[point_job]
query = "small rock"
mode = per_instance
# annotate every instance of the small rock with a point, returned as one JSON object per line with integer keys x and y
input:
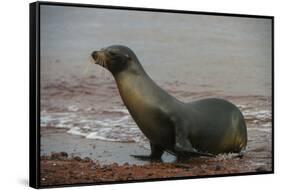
{"x": 261, "y": 169}
{"x": 59, "y": 156}
{"x": 64, "y": 154}
{"x": 150, "y": 174}
{"x": 77, "y": 158}
{"x": 218, "y": 167}
{"x": 87, "y": 159}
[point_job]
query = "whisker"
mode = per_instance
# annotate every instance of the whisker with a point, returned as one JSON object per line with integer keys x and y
{"x": 91, "y": 60}
{"x": 99, "y": 60}
{"x": 104, "y": 64}
{"x": 103, "y": 74}
{"x": 86, "y": 69}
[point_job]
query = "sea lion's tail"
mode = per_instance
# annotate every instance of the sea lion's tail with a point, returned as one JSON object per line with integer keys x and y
{"x": 241, "y": 135}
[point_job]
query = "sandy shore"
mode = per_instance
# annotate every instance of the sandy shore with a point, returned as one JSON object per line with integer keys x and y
{"x": 58, "y": 169}
{"x": 69, "y": 159}
{"x": 54, "y": 140}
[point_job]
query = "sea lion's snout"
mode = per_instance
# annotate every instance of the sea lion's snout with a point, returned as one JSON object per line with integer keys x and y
{"x": 99, "y": 58}
{"x": 94, "y": 55}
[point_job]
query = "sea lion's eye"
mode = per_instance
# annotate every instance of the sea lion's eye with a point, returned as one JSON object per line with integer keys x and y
{"x": 127, "y": 56}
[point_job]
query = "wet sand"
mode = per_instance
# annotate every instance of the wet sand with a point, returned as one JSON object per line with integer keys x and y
{"x": 75, "y": 159}
{"x": 57, "y": 140}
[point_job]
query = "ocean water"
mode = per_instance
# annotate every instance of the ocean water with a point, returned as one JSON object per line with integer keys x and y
{"x": 190, "y": 56}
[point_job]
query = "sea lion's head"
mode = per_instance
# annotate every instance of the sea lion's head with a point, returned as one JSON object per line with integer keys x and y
{"x": 115, "y": 58}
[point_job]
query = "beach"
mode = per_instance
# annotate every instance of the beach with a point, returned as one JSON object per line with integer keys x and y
{"x": 68, "y": 159}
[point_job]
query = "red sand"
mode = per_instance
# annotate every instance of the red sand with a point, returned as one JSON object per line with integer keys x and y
{"x": 59, "y": 169}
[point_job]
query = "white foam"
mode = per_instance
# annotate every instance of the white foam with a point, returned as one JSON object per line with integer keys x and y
{"x": 102, "y": 123}
{"x": 105, "y": 130}
{"x": 116, "y": 110}
{"x": 225, "y": 156}
{"x": 73, "y": 108}
{"x": 76, "y": 131}
{"x": 63, "y": 125}
{"x": 122, "y": 119}
{"x": 89, "y": 109}
{"x": 120, "y": 129}
{"x": 43, "y": 111}
{"x": 111, "y": 122}
{"x": 86, "y": 127}
{"x": 269, "y": 124}
{"x": 241, "y": 106}
{"x": 125, "y": 111}
{"x": 56, "y": 120}
{"x": 95, "y": 136}
{"x": 257, "y": 116}
{"x": 263, "y": 114}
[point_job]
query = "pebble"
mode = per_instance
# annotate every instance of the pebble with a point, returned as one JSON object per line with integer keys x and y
{"x": 149, "y": 174}
{"x": 218, "y": 167}
{"x": 87, "y": 159}
{"x": 59, "y": 156}
{"x": 261, "y": 169}
{"x": 77, "y": 158}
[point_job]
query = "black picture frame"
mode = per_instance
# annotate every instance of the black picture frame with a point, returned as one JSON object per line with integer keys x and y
{"x": 34, "y": 82}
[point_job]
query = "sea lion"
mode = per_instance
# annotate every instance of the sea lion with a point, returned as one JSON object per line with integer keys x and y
{"x": 204, "y": 127}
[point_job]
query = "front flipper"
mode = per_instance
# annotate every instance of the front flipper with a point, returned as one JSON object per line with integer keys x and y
{"x": 156, "y": 154}
{"x": 183, "y": 147}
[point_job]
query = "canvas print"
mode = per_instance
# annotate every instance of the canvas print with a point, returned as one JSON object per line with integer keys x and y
{"x": 133, "y": 94}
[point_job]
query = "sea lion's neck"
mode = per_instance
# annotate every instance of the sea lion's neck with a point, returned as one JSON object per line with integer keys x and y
{"x": 137, "y": 89}
{"x": 134, "y": 68}
{"x": 134, "y": 85}
{"x": 133, "y": 72}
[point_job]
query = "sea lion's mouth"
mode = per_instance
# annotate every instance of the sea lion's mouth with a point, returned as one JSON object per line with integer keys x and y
{"x": 99, "y": 58}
